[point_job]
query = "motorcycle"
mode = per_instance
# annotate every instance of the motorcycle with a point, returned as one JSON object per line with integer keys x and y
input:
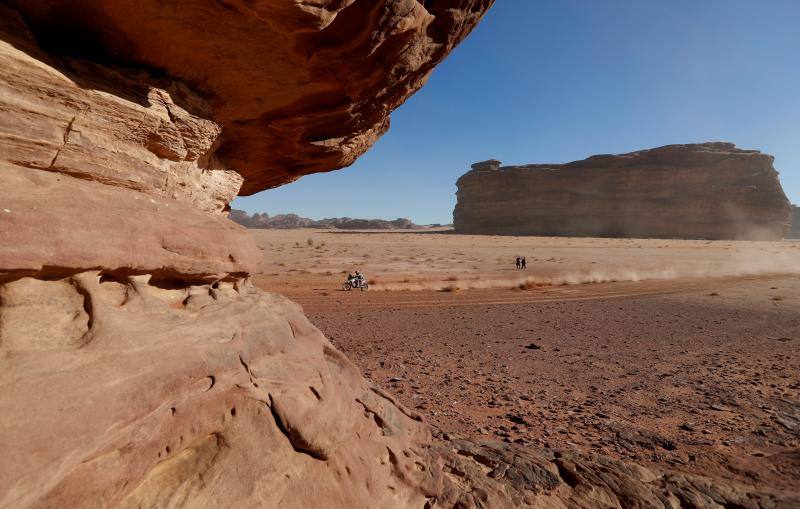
{"x": 353, "y": 284}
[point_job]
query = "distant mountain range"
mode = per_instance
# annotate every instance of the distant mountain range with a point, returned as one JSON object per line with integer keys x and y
{"x": 289, "y": 221}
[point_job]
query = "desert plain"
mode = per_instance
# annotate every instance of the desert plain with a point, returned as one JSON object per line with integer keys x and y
{"x": 678, "y": 353}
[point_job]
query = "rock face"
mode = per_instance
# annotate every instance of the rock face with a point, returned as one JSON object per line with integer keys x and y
{"x": 288, "y": 221}
{"x": 132, "y": 393}
{"x": 100, "y": 169}
{"x": 52, "y": 224}
{"x": 300, "y": 86}
{"x": 707, "y": 191}
{"x": 506, "y": 475}
{"x": 794, "y": 231}
{"x": 138, "y": 366}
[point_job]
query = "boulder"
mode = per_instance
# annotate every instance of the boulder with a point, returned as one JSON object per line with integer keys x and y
{"x": 707, "y": 191}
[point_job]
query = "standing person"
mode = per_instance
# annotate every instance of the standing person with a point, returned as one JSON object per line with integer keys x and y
{"x": 523, "y": 263}
{"x": 519, "y": 263}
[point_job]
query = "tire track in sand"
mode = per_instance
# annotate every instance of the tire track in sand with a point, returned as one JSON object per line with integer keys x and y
{"x": 485, "y": 297}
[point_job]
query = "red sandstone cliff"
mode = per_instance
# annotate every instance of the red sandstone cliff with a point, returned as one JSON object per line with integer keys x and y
{"x": 708, "y": 191}
{"x": 300, "y": 87}
{"x": 138, "y": 366}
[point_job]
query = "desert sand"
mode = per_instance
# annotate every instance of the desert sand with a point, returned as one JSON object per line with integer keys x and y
{"x": 308, "y": 261}
{"x": 678, "y": 354}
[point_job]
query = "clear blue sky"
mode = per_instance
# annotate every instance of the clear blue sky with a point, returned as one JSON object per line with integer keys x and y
{"x": 559, "y": 80}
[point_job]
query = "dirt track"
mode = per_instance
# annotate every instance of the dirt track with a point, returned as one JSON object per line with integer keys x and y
{"x": 326, "y": 299}
{"x": 697, "y": 373}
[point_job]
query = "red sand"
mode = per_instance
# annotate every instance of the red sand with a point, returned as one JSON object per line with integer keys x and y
{"x": 700, "y": 374}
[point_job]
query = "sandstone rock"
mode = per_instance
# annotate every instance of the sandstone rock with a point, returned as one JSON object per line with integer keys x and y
{"x": 102, "y": 170}
{"x": 711, "y": 190}
{"x": 138, "y": 367}
{"x": 506, "y": 475}
{"x": 299, "y": 87}
{"x": 133, "y": 394}
{"x": 94, "y": 123}
{"x": 54, "y": 225}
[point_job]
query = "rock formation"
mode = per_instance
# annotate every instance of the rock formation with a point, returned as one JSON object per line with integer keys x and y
{"x": 138, "y": 366}
{"x": 300, "y": 86}
{"x": 794, "y": 231}
{"x": 288, "y": 221}
{"x": 706, "y": 191}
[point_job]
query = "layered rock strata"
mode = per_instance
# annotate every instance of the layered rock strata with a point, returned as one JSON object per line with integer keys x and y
{"x": 301, "y": 87}
{"x": 100, "y": 169}
{"x": 706, "y": 191}
{"x": 138, "y": 366}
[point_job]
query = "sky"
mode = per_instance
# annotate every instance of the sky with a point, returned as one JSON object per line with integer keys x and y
{"x": 551, "y": 81}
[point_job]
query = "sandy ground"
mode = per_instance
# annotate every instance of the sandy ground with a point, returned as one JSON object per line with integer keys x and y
{"x": 678, "y": 353}
{"x": 433, "y": 259}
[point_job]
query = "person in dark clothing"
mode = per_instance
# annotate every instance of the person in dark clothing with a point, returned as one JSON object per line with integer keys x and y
{"x": 519, "y": 263}
{"x": 523, "y": 263}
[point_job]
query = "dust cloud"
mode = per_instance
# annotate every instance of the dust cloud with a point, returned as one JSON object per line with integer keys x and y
{"x": 742, "y": 263}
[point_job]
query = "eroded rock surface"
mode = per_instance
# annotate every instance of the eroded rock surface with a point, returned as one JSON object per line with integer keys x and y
{"x": 100, "y": 169}
{"x": 133, "y": 393}
{"x": 299, "y": 87}
{"x": 708, "y": 191}
{"x": 53, "y": 225}
{"x": 115, "y": 127}
{"x": 506, "y": 475}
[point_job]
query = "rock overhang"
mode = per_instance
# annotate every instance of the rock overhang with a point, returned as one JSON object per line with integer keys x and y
{"x": 298, "y": 87}
{"x": 137, "y": 122}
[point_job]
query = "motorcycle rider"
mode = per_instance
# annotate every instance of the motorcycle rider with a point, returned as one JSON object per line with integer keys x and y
{"x": 359, "y": 278}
